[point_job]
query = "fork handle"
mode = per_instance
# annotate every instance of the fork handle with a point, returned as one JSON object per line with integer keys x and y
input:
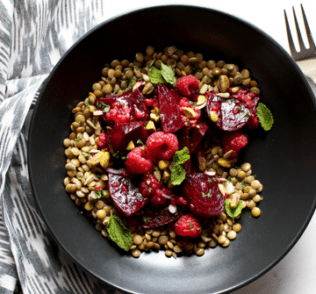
{"x": 308, "y": 67}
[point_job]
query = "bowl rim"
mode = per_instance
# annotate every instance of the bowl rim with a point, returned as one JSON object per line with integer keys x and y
{"x": 134, "y": 11}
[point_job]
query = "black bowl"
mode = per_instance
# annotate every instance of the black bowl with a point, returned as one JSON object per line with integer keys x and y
{"x": 283, "y": 159}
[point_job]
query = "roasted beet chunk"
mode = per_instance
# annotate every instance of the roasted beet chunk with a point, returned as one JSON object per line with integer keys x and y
{"x": 126, "y": 198}
{"x": 122, "y": 134}
{"x": 234, "y": 141}
{"x": 170, "y": 114}
{"x": 156, "y": 217}
{"x": 191, "y": 137}
{"x": 203, "y": 196}
{"x": 233, "y": 113}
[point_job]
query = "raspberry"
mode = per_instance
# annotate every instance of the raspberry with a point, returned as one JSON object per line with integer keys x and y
{"x": 234, "y": 141}
{"x": 161, "y": 197}
{"x": 245, "y": 96}
{"x": 253, "y": 122}
{"x": 119, "y": 113}
{"x": 149, "y": 185}
{"x": 137, "y": 163}
{"x": 187, "y": 85}
{"x": 102, "y": 143}
{"x": 187, "y": 226}
{"x": 162, "y": 145}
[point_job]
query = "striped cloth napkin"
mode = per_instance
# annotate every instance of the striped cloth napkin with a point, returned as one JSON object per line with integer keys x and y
{"x": 34, "y": 34}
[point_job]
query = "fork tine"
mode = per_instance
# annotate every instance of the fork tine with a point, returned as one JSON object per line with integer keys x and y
{"x": 289, "y": 36}
{"x": 308, "y": 31}
{"x": 299, "y": 36}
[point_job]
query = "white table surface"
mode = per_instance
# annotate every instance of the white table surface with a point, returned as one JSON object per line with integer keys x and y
{"x": 296, "y": 272}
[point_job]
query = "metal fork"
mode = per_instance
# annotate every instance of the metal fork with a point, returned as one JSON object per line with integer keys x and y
{"x": 304, "y": 53}
{"x": 305, "y": 58}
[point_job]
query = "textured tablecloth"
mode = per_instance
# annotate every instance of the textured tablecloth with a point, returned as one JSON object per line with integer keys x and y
{"x": 34, "y": 34}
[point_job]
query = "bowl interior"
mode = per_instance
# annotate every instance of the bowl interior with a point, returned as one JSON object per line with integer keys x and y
{"x": 283, "y": 159}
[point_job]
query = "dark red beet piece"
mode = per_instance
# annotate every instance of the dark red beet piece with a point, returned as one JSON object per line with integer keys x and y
{"x": 203, "y": 196}
{"x": 170, "y": 114}
{"x": 233, "y": 113}
{"x": 159, "y": 216}
{"x": 191, "y": 137}
{"x": 122, "y": 134}
{"x": 126, "y": 198}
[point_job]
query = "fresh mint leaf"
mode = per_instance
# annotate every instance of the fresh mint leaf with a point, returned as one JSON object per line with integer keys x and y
{"x": 139, "y": 141}
{"x": 118, "y": 233}
{"x": 181, "y": 156}
{"x": 233, "y": 212}
{"x": 155, "y": 76}
{"x": 177, "y": 175}
{"x": 168, "y": 74}
{"x": 265, "y": 117}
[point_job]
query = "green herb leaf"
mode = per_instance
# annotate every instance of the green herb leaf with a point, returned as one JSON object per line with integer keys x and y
{"x": 78, "y": 139}
{"x": 177, "y": 175}
{"x": 207, "y": 195}
{"x": 155, "y": 76}
{"x": 229, "y": 178}
{"x": 118, "y": 233}
{"x": 238, "y": 107}
{"x": 245, "y": 114}
{"x": 148, "y": 183}
{"x": 106, "y": 108}
{"x": 156, "y": 167}
{"x": 139, "y": 141}
{"x": 168, "y": 74}
{"x": 86, "y": 103}
{"x": 233, "y": 212}
{"x": 142, "y": 147}
{"x": 149, "y": 189}
{"x": 131, "y": 81}
{"x": 86, "y": 154}
{"x": 136, "y": 67}
{"x": 191, "y": 225}
{"x": 98, "y": 193}
{"x": 265, "y": 117}
{"x": 181, "y": 156}
{"x": 244, "y": 185}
